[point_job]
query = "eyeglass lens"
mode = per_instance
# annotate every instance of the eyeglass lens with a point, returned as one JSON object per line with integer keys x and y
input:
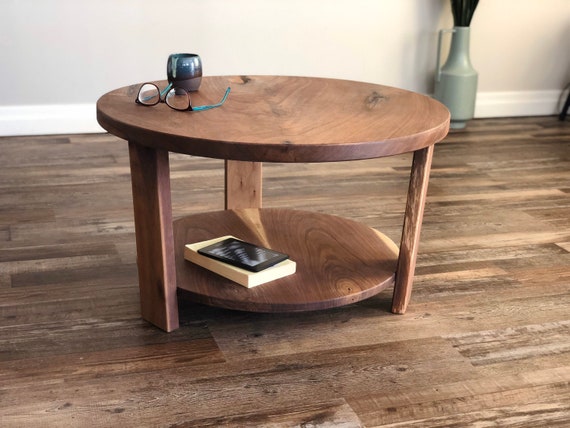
{"x": 178, "y": 99}
{"x": 149, "y": 95}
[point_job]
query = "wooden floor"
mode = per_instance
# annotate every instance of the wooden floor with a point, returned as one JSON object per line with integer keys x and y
{"x": 485, "y": 342}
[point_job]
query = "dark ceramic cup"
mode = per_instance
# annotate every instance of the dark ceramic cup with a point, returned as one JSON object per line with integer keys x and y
{"x": 184, "y": 70}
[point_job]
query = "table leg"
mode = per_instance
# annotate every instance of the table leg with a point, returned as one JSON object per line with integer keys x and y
{"x": 243, "y": 184}
{"x": 417, "y": 192}
{"x": 150, "y": 176}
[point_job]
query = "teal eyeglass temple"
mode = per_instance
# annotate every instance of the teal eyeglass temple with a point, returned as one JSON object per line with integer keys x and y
{"x": 165, "y": 90}
{"x": 153, "y": 99}
{"x": 202, "y": 108}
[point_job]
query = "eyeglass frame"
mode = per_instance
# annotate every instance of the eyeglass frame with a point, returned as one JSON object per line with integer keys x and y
{"x": 162, "y": 95}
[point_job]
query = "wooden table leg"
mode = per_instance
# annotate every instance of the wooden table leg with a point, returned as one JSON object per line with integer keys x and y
{"x": 243, "y": 184}
{"x": 413, "y": 217}
{"x": 150, "y": 175}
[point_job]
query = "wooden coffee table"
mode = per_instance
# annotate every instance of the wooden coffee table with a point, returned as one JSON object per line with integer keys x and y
{"x": 273, "y": 119}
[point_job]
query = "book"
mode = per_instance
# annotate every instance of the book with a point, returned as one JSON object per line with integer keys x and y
{"x": 240, "y": 276}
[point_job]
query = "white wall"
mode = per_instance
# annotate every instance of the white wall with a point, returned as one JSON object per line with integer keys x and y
{"x": 59, "y": 56}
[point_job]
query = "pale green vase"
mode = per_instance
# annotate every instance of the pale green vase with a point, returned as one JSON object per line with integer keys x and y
{"x": 456, "y": 81}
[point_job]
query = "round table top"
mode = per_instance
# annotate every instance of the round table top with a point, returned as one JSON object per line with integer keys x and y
{"x": 281, "y": 119}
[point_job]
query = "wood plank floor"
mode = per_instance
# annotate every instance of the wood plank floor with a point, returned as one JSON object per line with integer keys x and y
{"x": 485, "y": 342}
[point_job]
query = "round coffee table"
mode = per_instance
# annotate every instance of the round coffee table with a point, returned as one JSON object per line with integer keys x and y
{"x": 273, "y": 119}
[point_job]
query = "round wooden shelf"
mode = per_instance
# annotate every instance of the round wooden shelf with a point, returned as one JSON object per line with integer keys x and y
{"x": 339, "y": 261}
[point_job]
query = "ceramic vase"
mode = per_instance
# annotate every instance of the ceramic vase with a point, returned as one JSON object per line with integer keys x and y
{"x": 184, "y": 70}
{"x": 456, "y": 80}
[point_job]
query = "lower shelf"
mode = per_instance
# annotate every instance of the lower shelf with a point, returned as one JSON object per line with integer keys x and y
{"x": 339, "y": 261}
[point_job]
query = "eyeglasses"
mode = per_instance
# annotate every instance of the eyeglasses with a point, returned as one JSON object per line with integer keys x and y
{"x": 176, "y": 98}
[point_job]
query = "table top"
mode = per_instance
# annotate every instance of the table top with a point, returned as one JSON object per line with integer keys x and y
{"x": 281, "y": 119}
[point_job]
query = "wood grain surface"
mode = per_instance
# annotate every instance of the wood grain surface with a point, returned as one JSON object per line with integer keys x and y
{"x": 411, "y": 231}
{"x": 150, "y": 178}
{"x": 484, "y": 341}
{"x": 282, "y": 119}
{"x": 243, "y": 184}
{"x": 339, "y": 261}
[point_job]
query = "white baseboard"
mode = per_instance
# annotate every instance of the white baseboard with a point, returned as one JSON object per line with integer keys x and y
{"x": 80, "y": 118}
{"x": 48, "y": 119}
{"x": 521, "y": 103}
